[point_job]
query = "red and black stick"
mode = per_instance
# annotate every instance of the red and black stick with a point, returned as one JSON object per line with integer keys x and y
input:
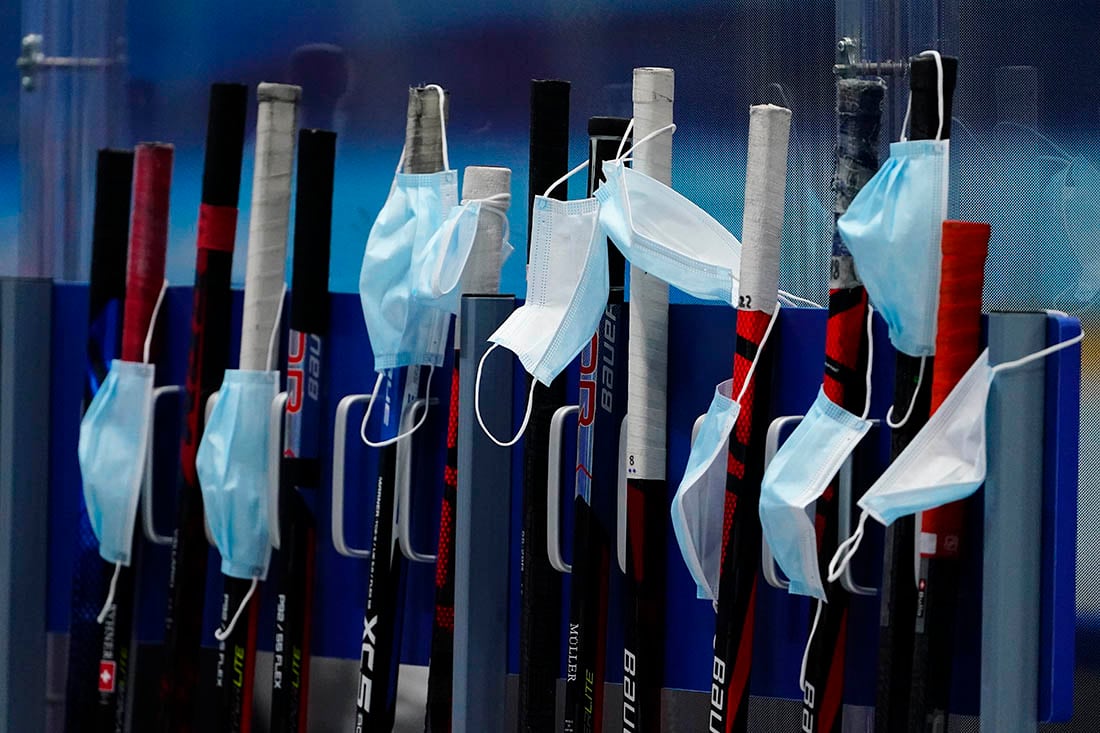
{"x": 859, "y": 116}
{"x": 144, "y": 280}
{"x": 769, "y": 130}
{"x": 210, "y": 323}
{"x": 958, "y": 344}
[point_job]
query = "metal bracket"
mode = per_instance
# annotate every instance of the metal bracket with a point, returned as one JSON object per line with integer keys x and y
{"x": 849, "y": 65}
{"x": 403, "y": 480}
{"x": 33, "y": 60}
{"x": 339, "y": 448}
{"x": 147, "y": 525}
{"x": 553, "y": 489}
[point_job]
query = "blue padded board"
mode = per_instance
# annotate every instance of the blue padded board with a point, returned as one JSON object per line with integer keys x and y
{"x": 695, "y": 366}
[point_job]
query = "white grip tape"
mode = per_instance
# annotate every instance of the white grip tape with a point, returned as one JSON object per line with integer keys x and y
{"x": 269, "y": 222}
{"x": 647, "y": 387}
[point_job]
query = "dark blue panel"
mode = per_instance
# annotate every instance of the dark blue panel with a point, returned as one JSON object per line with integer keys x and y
{"x": 695, "y": 366}
{"x": 1059, "y": 574}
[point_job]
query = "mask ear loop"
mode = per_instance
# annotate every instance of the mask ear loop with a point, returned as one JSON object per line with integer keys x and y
{"x": 477, "y": 405}
{"x": 912, "y": 402}
{"x": 626, "y": 136}
{"x": 623, "y": 157}
{"x": 442, "y": 124}
{"x": 153, "y": 324}
{"x": 759, "y": 351}
{"x": 497, "y": 204}
{"x": 847, "y": 549}
{"x": 565, "y": 178}
{"x": 112, "y": 589}
{"x": 110, "y": 596}
{"x": 399, "y": 436}
{"x": 809, "y": 641}
{"x": 273, "y": 340}
{"x": 870, "y": 362}
{"x": 1040, "y": 354}
{"x": 223, "y": 634}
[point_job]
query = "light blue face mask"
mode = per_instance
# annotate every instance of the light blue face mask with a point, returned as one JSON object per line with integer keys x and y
{"x": 114, "y": 439}
{"x": 233, "y": 466}
{"x": 699, "y": 503}
{"x": 112, "y": 449}
{"x": 441, "y": 266}
{"x": 698, "y": 507}
{"x": 567, "y": 289}
{"x": 946, "y": 460}
{"x": 665, "y": 234}
{"x": 893, "y": 228}
{"x": 407, "y": 325}
{"x": 800, "y": 473}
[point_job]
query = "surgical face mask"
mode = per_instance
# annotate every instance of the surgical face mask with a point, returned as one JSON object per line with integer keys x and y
{"x": 442, "y": 265}
{"x": 407, "y": 325}
{"x": 234, "y": 471}
{"x": 567, "y": 289}
{"x": 114, "y": 439}
{"x": 945, "y": 462}
{"x": 699, "y": 504}
{"x": 893, "y": 228}
{"x": 800, "y": 473}
{"x": 665, "y": 234}
{"x": 112, "y": 448}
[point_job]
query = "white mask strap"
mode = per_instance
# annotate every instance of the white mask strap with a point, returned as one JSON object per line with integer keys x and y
{"x": 626, "y": 136}
{"x": 809, "y": 641}
{"x": 477, "y": 405}
{"x": 153, "y": 325}
{"x": 565, "y": 178}
{"x": 273, "y": 340}
{"x": 912, "y": 402}
{"x": 442, "y": 131}
{"x": 759, "y": 351}
{"x": 374, "y": 398}
{"x": 110, "y": 596}
{"x": 870, "y": 362}
{"x": 223, "y": 634}
{"x": 939, "y": 90}
{"x": 442, "y": 123}
{"x": 496, "y": 204}
{"x": 793, "y": 300}
{"x": 846, "y": 550}
{"x": 670, "y": 128}
{"x": 1041, "y": 354}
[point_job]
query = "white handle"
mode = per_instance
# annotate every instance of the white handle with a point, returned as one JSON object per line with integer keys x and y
{"x": 620, "y": 519}
{"x": 771, "y": 447}
{"x": 339, "y": 450}
{"x": 148, "y": 527}
{"x": 274, "y": 465}
{"x": 553, "y": 488}
{"x": 403, "y": 479}
{"x": 210, "y": 402}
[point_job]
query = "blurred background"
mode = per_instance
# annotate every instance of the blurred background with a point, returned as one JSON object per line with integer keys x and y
{"x": 1025, "y": 148}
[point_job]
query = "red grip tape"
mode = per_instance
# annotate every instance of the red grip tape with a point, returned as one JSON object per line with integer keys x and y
{"x": 965, "y": 245}
{"x": 217, "y": 227}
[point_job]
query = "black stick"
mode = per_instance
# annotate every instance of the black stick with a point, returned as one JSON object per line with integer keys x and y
{"x": 540, "y": 586}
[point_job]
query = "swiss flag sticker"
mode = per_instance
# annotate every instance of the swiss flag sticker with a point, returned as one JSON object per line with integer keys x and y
{"x": 106, "y": 676}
